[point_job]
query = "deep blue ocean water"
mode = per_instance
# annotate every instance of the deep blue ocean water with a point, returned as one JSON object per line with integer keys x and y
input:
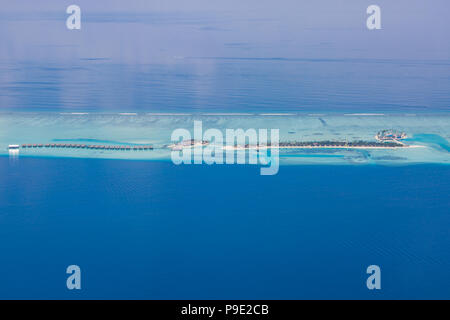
{"x": 154, "y": 230}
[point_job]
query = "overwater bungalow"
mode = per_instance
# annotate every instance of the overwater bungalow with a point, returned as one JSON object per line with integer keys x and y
{"x": 390, "y": 135}
{"x": 341, "y": 144}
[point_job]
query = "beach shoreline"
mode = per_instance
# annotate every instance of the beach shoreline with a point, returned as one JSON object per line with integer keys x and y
{"x": 320, "y": 147}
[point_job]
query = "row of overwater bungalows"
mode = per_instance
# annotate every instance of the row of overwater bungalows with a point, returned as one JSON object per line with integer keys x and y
{"x": 87, "y": 146}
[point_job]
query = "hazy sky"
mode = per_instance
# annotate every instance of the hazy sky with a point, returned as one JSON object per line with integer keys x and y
{"x": 135, "y": 31}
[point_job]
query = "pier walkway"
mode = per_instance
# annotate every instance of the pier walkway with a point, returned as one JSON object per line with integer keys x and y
{"x": 88, "y": 146}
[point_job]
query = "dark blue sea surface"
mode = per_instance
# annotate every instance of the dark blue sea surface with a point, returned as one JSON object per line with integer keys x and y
{"x": 153, "y": 230}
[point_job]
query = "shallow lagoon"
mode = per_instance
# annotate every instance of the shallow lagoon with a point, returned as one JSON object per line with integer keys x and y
{"x": 431, "y": 131}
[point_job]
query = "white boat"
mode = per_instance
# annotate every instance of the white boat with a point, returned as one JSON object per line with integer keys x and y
{"x": 13, "y": 147}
